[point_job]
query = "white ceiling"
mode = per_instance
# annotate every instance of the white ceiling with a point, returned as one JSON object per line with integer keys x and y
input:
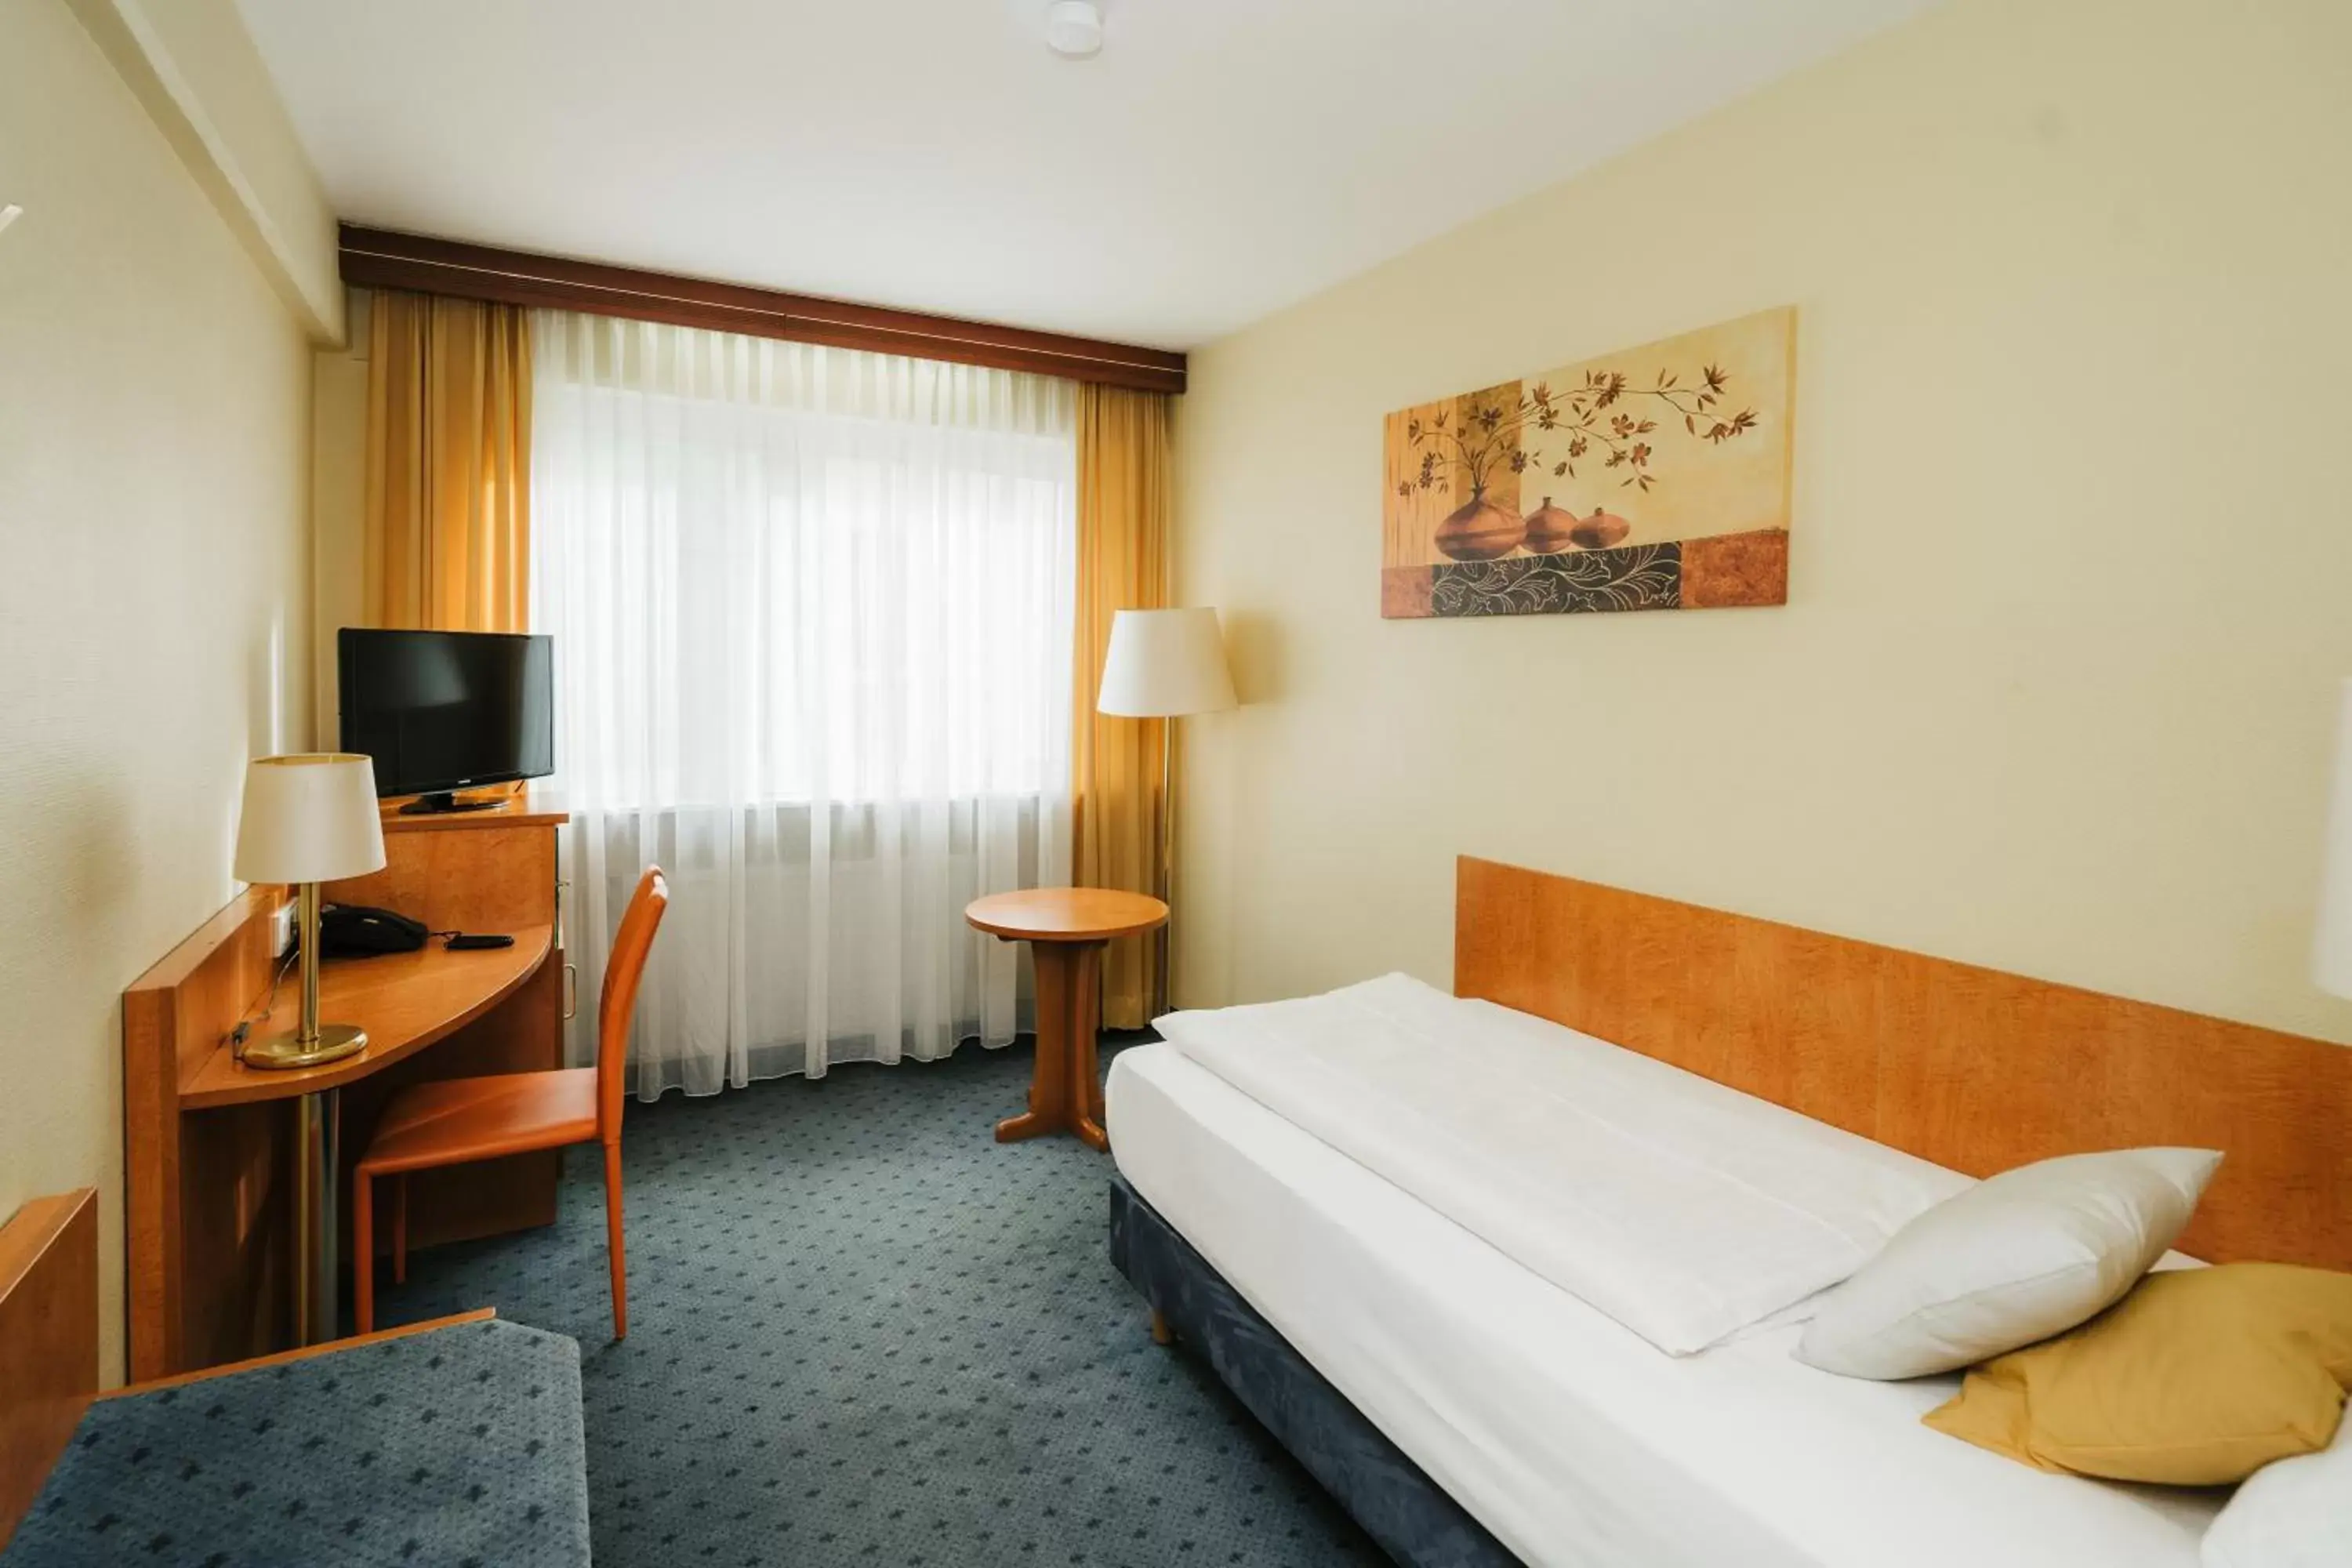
{"x": 1218, "y": 160}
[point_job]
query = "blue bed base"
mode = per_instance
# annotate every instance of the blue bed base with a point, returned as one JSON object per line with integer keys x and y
{"x": 1412, "y": 1516}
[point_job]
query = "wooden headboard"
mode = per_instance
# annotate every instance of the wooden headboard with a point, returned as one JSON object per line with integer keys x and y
{"x": 1971, "y": 1067}
{"x": 49, "y": 1341}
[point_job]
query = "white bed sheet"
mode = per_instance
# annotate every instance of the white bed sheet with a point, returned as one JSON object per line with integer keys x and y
{"x": 1680, "y": 1207}
{"x": 1576, "y": 1442}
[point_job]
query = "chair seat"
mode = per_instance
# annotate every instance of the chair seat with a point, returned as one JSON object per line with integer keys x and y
{"x": 451, "y": 1121}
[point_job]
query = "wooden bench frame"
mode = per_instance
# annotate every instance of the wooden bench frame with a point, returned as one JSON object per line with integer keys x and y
{"x": 48, "y": 1342}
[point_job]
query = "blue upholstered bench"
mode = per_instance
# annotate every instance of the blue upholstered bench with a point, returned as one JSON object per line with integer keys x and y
{"x": 458, "y": 1445}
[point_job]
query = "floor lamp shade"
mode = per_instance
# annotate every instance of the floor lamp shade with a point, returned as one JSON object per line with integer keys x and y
{"x": 2331, "y": 954}
{"x": 1163, "y": 663}
{"x": 308, "y": 817}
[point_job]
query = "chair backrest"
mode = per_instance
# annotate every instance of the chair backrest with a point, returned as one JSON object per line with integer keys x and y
{"x": 623, "y": 970}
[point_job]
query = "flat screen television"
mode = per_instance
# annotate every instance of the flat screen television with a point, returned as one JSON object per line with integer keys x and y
{"x": 442, "y": 711}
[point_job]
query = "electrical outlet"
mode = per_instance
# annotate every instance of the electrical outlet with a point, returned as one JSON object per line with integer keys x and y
{"x": 281, "y": 929}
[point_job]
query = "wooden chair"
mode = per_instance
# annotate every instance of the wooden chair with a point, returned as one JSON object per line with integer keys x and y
{"x": 456, "y": 1121}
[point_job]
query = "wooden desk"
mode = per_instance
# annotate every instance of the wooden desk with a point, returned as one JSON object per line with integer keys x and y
{"x": 405, "y": 1001}
{"x": 1067, "y": 929}
{"x": 210, "y": 1145}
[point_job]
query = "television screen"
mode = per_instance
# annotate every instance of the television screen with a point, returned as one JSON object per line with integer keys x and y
{"x": 448, "y": 710}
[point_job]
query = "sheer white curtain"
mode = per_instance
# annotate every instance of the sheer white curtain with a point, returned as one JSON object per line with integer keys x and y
{"x": 812, "y": 647}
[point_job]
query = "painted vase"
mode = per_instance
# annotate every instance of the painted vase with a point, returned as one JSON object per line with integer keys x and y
{"x": 1480, "y": 531}
{"x": 1549, "y": 530}
{"x": 1600, "y": 530}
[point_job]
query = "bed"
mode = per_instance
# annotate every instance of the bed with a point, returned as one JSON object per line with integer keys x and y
{"x": 1470, "y": 1411}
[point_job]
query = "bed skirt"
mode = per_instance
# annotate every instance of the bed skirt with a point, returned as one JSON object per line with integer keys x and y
{"x": 1411, "y": 1516}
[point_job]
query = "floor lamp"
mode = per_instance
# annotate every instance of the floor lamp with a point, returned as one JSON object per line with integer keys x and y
{"x": 1165, "y": 664}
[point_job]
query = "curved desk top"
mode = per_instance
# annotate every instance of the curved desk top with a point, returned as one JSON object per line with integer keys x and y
{"x": 405, "y": 1001}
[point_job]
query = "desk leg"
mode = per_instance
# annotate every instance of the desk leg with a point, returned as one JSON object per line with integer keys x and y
{"x": 317, "y": 1129}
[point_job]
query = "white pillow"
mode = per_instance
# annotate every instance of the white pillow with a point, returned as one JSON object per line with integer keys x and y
{"x": 2025, "y": 1255}
{"x": 2291, "y": 1513}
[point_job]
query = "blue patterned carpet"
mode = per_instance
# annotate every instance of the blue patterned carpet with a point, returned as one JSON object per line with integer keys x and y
{"x": 863, "y": 1333}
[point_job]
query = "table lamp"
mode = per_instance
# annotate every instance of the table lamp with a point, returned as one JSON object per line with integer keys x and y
{"x": 309, "y": 818}
{"x": 1164, "y": 664}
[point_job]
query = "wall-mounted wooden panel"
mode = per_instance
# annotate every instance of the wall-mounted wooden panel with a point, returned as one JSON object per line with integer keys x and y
{"x": 1973, "y": 1068}
{"x": 215, "y": 1192}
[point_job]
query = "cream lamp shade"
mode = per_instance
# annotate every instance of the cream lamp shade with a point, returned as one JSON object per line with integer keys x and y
{"x": 1164, "y": 663}
{"x": 308, "y": 817}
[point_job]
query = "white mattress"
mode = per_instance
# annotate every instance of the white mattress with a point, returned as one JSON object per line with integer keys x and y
{"x": 1573, "y": 1440}
{"x": 1680, "y": 1207}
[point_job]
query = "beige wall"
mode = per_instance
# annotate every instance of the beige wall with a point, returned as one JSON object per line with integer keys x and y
{"x": 154, "y": 599}
{"x": 338, "y": 502}
{"x": 2071, "y": 583}
{"x": 195, "y": 70}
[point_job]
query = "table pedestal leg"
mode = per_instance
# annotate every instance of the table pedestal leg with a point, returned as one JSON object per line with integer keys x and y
{"x": 317, "y": 1128}
{"x": 1064, "y": 1085}
{"x": 1085, "y": 1058}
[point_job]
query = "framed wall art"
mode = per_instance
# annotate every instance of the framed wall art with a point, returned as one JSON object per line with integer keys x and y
{"x": 1652, "y": 478}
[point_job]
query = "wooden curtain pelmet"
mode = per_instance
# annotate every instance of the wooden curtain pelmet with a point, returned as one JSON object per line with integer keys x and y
{"x": 376, "y": 259}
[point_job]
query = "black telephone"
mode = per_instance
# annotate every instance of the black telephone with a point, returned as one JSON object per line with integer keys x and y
{"x": 355, "y": 930}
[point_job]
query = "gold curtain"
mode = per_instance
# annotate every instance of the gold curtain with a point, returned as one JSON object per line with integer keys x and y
{"x": 1125, "y": 456}
{"x": 448, "y": 465}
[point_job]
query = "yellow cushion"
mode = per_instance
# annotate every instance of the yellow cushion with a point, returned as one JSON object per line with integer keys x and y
{"x": 2199, "y": 1377}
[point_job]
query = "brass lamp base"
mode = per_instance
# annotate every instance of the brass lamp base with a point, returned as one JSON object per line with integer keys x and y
{"x": 334, "y": 1042}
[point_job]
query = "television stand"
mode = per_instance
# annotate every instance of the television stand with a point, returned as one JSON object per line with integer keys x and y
{"x": 440, "y": 801}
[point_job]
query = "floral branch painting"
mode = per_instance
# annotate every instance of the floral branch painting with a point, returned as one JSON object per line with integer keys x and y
{"x": 1493, "y": 432}
{"x": 1679, "y": 449}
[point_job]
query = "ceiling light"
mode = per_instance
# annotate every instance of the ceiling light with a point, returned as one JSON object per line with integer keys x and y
{"x": 1073, "y": 27}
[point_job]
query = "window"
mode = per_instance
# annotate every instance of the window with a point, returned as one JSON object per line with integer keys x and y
{"x": 812, "y": 611}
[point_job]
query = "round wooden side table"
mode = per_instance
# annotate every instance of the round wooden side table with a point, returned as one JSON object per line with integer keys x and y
{"x": 1067, "y": 929}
